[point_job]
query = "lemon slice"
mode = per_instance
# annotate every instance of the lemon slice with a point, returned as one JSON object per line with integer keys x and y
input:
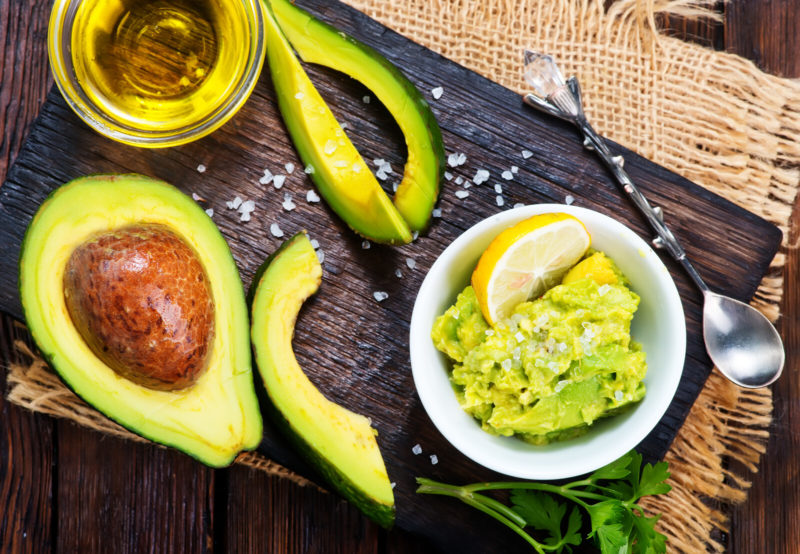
{"x": 525, "y": 260}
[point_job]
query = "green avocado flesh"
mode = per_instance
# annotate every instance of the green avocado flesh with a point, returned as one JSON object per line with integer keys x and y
{"x": 556, "y": 365}
{"x": 340, "y": 443}
{"x": 212, "y": 419}
{"x": 339, "y": 171}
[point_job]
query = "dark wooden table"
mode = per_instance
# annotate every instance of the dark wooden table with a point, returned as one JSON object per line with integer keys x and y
{"x": 67, "y": 489}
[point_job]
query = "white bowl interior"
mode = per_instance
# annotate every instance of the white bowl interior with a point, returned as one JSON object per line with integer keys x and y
{"x": 658, "y": 324}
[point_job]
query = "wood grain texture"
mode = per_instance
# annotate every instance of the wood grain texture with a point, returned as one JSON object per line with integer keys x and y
{"x": 766, "y": 32}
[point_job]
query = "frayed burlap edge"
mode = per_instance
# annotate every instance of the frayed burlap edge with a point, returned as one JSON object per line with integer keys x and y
{"x": 701, "y": 113}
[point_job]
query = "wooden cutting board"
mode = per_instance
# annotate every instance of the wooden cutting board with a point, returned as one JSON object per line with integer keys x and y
{"x": 354, "y": 348}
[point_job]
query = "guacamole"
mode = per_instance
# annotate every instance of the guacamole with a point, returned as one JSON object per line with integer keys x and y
{"x": 556, "y": 365}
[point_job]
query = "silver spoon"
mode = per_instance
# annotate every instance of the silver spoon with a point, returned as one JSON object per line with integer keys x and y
{"x": 740, "y": 340}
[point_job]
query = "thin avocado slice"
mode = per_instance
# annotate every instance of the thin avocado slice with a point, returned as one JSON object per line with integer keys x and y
{"x": 338, "y": 170}
{"x": 218, "y": 415}
{"x": 318, "y": 42}
{"x": 340, "y": 443}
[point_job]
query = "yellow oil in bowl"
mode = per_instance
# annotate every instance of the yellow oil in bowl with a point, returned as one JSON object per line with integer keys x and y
{"x": 156, "y": 72}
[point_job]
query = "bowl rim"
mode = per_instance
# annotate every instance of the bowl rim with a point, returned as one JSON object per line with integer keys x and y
{"x": 483, "y": 453}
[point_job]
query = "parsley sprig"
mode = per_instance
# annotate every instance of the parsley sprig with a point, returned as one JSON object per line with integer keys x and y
{"x": 609, "y": 496}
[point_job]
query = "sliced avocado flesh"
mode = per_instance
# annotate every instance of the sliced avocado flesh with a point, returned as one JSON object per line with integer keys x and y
{"x": 211, "y": 420}
{"x": 338, "y": 170}
{"x": 340, "y": 443}
{"x": 317, "y": 42}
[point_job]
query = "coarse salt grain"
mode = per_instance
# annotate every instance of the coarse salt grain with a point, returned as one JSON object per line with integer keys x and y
{"x": 210, "y": 212}
{"x": 434, "y": 459}
{"x": 309, "y": 169}
{"x": 366, "y": 244}
{"x": 489, "y": 332}
{"x": 560, "y": 386}
{"x": 519, "y": 336}
{"x": 603, "y": 289}
{"x": 314, "y": 244}
{"x": 527, "y": 154}
{"x": 461, "y": 194}
{"x": 247, "y": 206}
{"x": 448, "y": 175}
{"x": 414, "y": 235}
{"x": 288, "y": 204}
{"x": 245, "y": 217}
{"x": 569, "y": 199}
{"x": 196, "y": 197}
{"x": 340, "y": 163}
{"x": 514, "y": 169}
{"x": 499, "y": 201}
{"x": 398, "y": 273}
{"x": 381, "y": 174}
{"x": 235, "y": 203}
{"x": 507, "y": 175}
{"x": 380, "y": 295}
{"x": 278, "y": 181}
{"x": 436, "y": 212}
{"x": 201, "y": 168}
{"x": 289, "y": 168}
{"x": 519, "y": 205}
{"x": 330, "y": 147}
{"x": 452, "y": 160}
{"x": 366, "y": 99}
{"x": 506, "y": 364}
{"x": 459, "y": 180}
{"x": 498, "y": 188}
{"x": 437, "y": 92}
{"x": 393, "y": 484}
{"x": 462, "y": 159}
{"x": 276, "y": 230}
{"x": 312, "y": 196}
{"x": 411, "y": 263}
{"x": 356, "y": 167}
{"x": 299, "y": 95}
{"x": 321, "y": 256}
{"x": 481, "y": 176}
{"x": 618, "y": 396}
{"x": 416, "y": 449}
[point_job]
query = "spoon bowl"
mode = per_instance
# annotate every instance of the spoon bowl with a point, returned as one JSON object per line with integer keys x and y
{"x": 741, "y": 341}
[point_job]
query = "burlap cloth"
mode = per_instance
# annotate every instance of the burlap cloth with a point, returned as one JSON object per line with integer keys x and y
{"x": 710, "y": 116}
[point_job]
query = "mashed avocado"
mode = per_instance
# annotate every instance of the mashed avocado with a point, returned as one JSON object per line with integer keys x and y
{"x": 556, "y": 364}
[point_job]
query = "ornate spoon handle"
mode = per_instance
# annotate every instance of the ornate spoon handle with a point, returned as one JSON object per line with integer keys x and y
{"x": 563, "y": 100}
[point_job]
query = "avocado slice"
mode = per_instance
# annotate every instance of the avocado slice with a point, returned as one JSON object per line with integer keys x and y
{"x": 335, "y": 166}
{"x": 341, "y": 444}
{"x": 215, "y": 416}
{"x": 318, "y": 42}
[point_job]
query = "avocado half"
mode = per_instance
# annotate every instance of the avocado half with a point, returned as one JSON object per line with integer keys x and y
{"x": 218, "y": 415}
{"x": 340, "y": 173}
{"x": 341, "y": 444}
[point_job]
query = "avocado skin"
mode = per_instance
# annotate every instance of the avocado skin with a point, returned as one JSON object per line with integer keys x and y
{"x": 198, "y": 447}
{"x": 382, "y": 514}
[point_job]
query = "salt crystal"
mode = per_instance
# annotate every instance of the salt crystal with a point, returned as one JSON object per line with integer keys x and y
{"x": 314, "y": 244}
{"x": 499, "y": 201}
{"x": 381, "y": 174}
{"x": 411, "y": 263}
{"x": 560, "y": 386}
{"x": 356, "y": 167}
{"x": 489, "y": 332}
{"x": 519, "y": 205}
{"x": 461, "y": 194}
{"x": 452, "y": 160}
{"x": 344, "y": 125}
{"x": 236, "y": 203}
{"x": 393, "y": 484}
{"x": 462, "y": 159}
{"x": 379, "y": 161}
{"x": 288, "y": 204}
{"x": 603, "y": 289}
{"x": 398, "y": 273}
{"x": 210, "y": 212}
{"x": 380, "y": 295}
{"x": 366, "y": 245}
{"x": 289, "y": 168}
{"x": 309, "y": 169}
{"x": 196, "y": 197}
{"x": 340, "y": 164}
{"x": 321, "y": 256}
{"x": 459, "y": 180}
{"x": 330, "y": 147}
{"x": 436, "y": 212}
{"x": 448, "y": 175}
{"x": 276, "y": 230}
{"x": 266, "y": 179}
{"x": 387, "y": 167}
{"x": 312, "y": 196}
{"x": 366, "y": 99}
{"x": 201, "y": 168}
{"x": 247, "y": 206}
{"x": 416, "y": 449}
{"x": 437, "y": 93}
{"x": 527, "y": 154}
{"x": 519, "y": 336}
{"x": 481, "y": 176}
{"x": 569, "y": 199}
{"x": 278, "y": 181}
{"x": 299, "y": 95}
{"x": 245, "y": 217}
{"x": 514, "y": 169}
{"x": 498, "y": 188}
{"x": 414, "y": 235}
{"x": 618, "y": 396}
{"x": 394, "y": 187}
{"x": 506, "y": 364}
{"x": 562, "y": 346}
{"x": 434, "y": 459}
{"x": 507, "y": 175}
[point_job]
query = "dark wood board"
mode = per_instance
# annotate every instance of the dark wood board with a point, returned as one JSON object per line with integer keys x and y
{"x": 365, "y": 365}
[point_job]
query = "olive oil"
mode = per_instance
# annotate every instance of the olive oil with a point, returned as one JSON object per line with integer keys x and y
{"x": 159, "y": 65}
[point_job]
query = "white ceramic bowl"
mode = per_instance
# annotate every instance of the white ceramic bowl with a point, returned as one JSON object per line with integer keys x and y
{"x": 658, "y": 324}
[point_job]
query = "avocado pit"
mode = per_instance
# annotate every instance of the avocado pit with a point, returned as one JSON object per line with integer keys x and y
{"x": 141, "y": 300}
